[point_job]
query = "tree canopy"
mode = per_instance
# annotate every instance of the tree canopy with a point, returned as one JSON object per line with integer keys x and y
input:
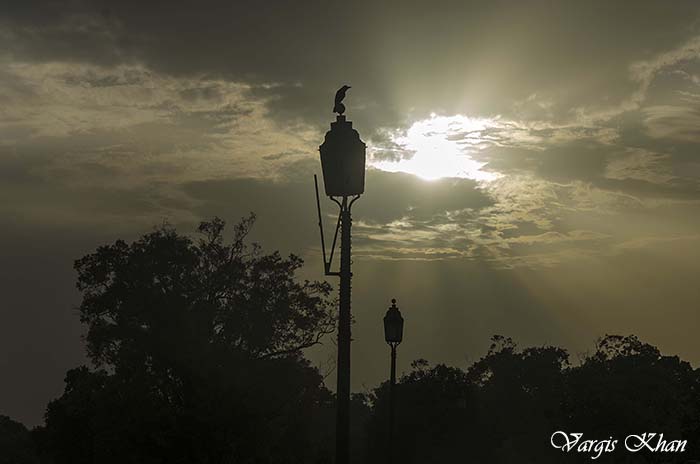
{"x": 16, "y": 445}
{"x": 197, "y": 348}
{"x": 505, "y": 407}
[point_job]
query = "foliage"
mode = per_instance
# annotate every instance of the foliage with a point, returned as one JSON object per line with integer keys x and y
{"x": 156, "y": 300}
{"x": 198, "y": 348}
{"x": 16, "y": 446}
{"x": 505, "y": 407}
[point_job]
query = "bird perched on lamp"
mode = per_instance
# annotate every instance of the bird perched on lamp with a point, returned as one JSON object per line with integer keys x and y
{"x": 339, "y": 95}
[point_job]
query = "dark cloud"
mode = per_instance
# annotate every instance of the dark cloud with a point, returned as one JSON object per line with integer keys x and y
{"x": 92, "y": 79}
{"x": 281, "y": 155}
{"x": 394, "y": 195}
{"x": 449, "y": 57}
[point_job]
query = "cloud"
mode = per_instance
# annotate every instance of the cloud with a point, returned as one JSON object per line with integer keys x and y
{"x": 646, "y": 71}
{"x": 673, "y": 122}
{"x": 157, "y": 110}
{"x": 463, "y": 57}
{"x": 640, "y": 164}
{"x": 131, "y": 109}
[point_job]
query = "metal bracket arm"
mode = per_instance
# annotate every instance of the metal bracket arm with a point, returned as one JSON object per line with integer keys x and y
{"x": 342, "y": 206}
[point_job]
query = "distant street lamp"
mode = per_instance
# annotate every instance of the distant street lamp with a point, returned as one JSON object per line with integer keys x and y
{"x": 393, "y": 334}
{"x": 343, "y": 162}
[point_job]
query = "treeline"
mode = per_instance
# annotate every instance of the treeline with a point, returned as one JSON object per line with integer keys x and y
{"x": 505, "y": 407}
{"x": 197, "y": 357}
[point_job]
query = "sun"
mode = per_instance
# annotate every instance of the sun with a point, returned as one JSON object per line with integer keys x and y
{"x": 439, "y": 147}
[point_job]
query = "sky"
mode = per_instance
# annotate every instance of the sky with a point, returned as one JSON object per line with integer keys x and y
{"x": 533, "y": 167}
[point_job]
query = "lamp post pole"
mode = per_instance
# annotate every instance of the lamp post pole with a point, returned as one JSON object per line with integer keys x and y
{"x": 344, "y": 338}
{"x": 392, "y": 388}
{"x": 393, "y": 334}
{"x": 343, "y": 162}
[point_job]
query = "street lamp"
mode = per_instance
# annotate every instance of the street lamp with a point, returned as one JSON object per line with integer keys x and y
{"x": 343, "y": 162}
{"x": 393, "y": 334}
{"x": 393, "y": 325}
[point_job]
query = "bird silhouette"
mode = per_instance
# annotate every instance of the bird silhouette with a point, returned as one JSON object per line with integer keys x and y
{"x": 339, "y": 95}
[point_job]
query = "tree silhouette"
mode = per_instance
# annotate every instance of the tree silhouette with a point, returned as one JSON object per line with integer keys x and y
{"x": 433, "y": 405}
{"x": 197, "y": 357}
{"x": 505, "y": 407}
{"x": 627, "y": 386}
{"x": 16, "y": 445}
{"x": 197, "y": 348}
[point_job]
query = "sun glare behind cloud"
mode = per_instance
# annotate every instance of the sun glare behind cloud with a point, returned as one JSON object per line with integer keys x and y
{"x": 438, "y": 147}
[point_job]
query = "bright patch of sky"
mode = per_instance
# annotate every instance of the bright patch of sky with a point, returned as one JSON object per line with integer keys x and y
{"x": 439, "y": 147}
